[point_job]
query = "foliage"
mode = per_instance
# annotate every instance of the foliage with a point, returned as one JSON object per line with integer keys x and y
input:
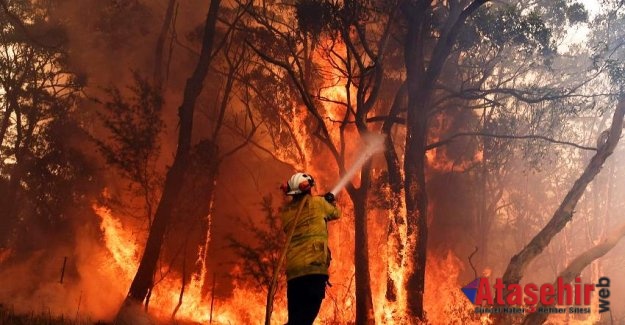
{"x": 507, "y": 26}
{"x": 577, "y": 13}
{"x": 315, "y": 16}
{"x": 616, "y": 70}
{"x": 30, "y": 22}
{"x": 258, "y": 254}
{"x": 61, "y": 175}
{"x": 495, "y": 68}
{"x": 44, "y": 174}
{"x": 134, "y": 125}
{"x": 329, "y": 17}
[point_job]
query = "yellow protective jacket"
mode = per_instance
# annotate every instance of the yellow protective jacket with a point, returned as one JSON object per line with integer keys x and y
{"x": 308, "y": 250}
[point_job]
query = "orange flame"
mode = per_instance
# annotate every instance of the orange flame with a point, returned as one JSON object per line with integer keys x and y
{"x": 244, "y": 307}
{"x": 444, "y": 301}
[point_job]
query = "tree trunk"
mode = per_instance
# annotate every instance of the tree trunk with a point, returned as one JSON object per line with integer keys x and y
{"x": 575, "y": 268}
{"x": 157, "y": 73}
{"x": 420, "y": 80}
{"x": 414, "y": 162}
{"x": 519, "y": 262}
{"x": 175, "y": 176}
{"x": 397, "y": 221}
{"x": 183, "y": 284}
{"x": 193, "y": 209}
{"x": 8, "y": 211}
{"x": 364, "y": 302}
{"x": 416, "y": 206}
{"x": 6, "y": 119}
{"x": 484, "y": 216}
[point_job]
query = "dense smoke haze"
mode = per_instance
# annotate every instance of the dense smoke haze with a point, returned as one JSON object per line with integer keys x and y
{"x": 143, "y": 145}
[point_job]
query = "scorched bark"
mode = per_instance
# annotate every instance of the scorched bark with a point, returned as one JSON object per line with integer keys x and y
{"x": 175, "y": 176}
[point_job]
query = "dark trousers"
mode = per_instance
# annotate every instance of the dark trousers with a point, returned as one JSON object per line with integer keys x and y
{"x": 304, "y": 295}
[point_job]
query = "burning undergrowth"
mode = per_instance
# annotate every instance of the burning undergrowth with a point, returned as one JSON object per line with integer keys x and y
{"x": 65, "y": 280}
{"x": 219, "y": 251}
{"x": 106, "y": 254}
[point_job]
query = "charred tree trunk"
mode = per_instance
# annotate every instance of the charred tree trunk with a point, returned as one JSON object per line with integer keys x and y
{"x": 364, "y": 301}
{"x": 395, "y": 242}
{"x": 483, "y": 214}
{"x": 9, "y": 211}
{"x": 10, "y": 205}
{"x": 192, "y": 210}
{"x": 519, "y": 262}
{"x": 414, "y": 161}
{"x": 160, "y": 45}
{"x": 182, "y": 287}
{"x": 194, "y": 207}
{"x": 416, "y": 205}
{"x": 4, "y": 126}
{"x": 142, "y": 281}
{"x": 421, "y": 75}
{"x": 575, "y": 268}
{"x": 175, "y": 176}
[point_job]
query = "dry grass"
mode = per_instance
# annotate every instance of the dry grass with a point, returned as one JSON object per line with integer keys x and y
{"x": 9, "y": 317}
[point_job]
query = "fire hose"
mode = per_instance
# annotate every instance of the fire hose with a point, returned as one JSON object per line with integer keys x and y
{"x": 272, "y": 288}
{"x": 374, "y": 144}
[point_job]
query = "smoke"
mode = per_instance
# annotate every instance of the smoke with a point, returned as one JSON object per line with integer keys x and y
{"x": 35, "y": 282}
{"x": 109, "y": 39}
{"x": 373, "y": 143}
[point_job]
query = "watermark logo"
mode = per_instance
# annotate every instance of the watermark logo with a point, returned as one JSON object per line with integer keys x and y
{"x": 470, "y": 290}
{"x": 558, "y": 297}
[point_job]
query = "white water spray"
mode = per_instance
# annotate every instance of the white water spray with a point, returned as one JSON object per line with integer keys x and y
{"x": 374, "y": 143}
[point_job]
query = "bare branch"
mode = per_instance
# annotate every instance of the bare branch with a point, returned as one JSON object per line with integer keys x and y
{"x": 561, "y": 217}
{"x": 506, "y": 136}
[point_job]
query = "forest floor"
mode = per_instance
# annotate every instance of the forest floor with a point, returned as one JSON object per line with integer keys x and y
{"x": 9, "y": 317}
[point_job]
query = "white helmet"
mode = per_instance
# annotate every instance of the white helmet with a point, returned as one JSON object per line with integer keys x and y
{"x": 299, "y": 183}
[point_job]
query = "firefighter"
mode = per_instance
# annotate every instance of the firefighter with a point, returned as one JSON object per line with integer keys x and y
{"x": 308, "y": 255}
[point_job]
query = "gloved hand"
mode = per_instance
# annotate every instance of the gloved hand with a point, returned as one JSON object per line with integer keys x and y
{"x": 330, "y": 198}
